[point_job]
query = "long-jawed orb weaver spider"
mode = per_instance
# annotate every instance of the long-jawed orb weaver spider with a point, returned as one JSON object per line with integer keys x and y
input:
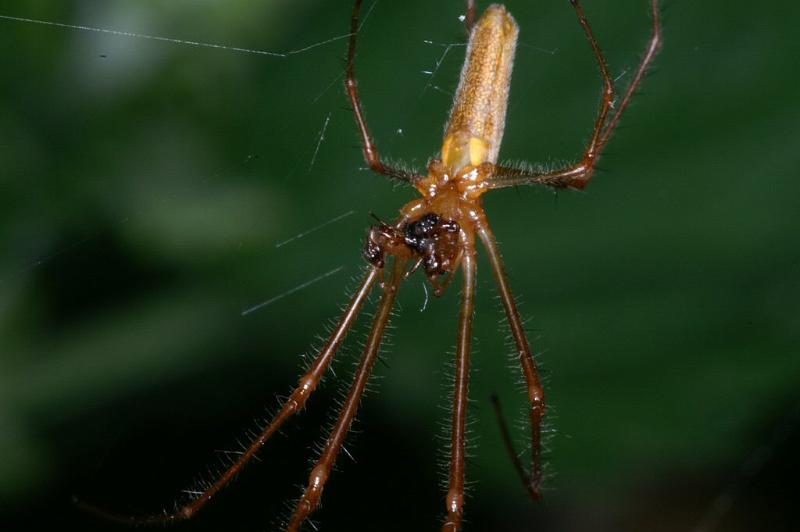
{"x": 438, "y": 233}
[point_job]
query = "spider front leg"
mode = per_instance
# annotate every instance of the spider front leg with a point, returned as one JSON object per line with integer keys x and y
{"x": 532, "y": 480}
{"x": 578, "y": 175}
{"x": 455, "y": 494}
{"x": 322, "y": 469}
{"x": 371, "y": 154}
{"x": 293, "y": 404}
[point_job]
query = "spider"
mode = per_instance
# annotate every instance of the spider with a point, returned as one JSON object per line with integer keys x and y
{"x": 438, "y": 232}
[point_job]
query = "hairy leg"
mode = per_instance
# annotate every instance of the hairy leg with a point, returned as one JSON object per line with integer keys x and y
{"x": 294, "y": 403}
{"x": 577, "y": 176}
{"x": 371, "y": 154}
{"x": 455, "y": 494}
{"x": 322, "y": 469}
{"x": 532, "y": 480}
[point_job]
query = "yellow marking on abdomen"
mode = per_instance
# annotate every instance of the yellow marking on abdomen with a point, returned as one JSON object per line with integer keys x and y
{"x": 478, "y": 116}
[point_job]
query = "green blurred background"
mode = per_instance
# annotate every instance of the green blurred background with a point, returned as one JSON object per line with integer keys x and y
{"x": 145, "y": 186}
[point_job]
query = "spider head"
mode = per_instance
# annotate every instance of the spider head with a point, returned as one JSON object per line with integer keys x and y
{"x": 431, "y": 239}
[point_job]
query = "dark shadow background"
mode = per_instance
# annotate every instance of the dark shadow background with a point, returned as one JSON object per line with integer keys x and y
{"x": 144, "y": 186}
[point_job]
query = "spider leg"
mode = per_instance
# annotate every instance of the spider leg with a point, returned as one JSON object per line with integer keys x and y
{"x": 371, "y": 154}
{"x": 533, "y": 480}
{"x": 295, "y": 402}
{"x": 322, "y": 469}
{"x": 578, "y": 175}
{"x": 454, "y": 502}
{"x": 508, "y": 442}
{"x": 469, "y": 17}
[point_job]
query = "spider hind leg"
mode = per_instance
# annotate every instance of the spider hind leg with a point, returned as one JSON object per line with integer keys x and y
{"x": 371, "y": 155}
{"x": 578, "y": 175}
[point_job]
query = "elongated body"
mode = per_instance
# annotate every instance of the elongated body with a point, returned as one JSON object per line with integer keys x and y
{"x": 438, "y": 232}
{"x": 425, "y": 233}
{"x": 477, "y": 120}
